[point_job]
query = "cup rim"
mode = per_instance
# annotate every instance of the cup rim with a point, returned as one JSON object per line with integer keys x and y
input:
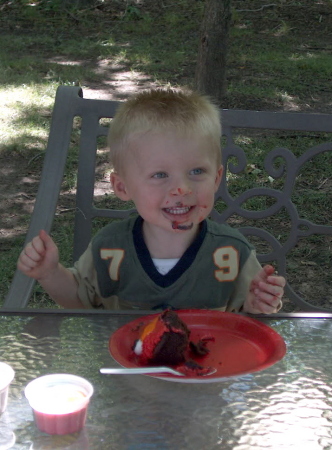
{"x": 51, "y": 380}
{"x": 9, "y": 375}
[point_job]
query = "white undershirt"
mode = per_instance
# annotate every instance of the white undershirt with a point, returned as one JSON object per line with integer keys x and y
{"x": 164, "y": 265}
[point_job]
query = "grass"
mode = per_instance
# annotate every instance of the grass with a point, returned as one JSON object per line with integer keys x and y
{"x": 279, "y": 59}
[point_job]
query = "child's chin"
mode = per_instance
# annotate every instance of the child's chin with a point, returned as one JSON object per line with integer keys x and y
{"x": 182, "y": 226}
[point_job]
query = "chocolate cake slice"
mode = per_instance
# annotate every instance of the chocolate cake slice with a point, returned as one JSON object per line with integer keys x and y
{"x": 163, "y": 341}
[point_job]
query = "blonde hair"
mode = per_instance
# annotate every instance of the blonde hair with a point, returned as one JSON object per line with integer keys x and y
{"x": 186, "y": 113}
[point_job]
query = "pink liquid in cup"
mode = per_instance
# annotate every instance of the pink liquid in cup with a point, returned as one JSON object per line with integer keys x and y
{"x": 60, "y": 423}
{"x": 59, "y": 402}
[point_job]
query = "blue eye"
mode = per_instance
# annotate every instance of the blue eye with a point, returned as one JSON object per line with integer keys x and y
{"x": 159, "y": 175}
{"x": 197, "y": 171}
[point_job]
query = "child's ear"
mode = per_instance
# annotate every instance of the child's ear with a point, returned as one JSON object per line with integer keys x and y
{"x": 119, "y": 187}
{"x": 218, "y": 177}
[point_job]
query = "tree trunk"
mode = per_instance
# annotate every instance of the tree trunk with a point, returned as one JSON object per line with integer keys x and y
{"x": 210, "y": 77}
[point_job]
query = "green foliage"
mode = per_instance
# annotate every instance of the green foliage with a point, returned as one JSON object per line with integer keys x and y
{"x": 279, "y": 58}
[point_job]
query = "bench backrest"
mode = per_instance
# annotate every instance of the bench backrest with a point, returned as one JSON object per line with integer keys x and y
{"x": 70, "y": 103}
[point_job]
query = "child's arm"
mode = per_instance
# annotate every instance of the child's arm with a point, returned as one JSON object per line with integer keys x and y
{"x": 265, "y": 292}
{"x": 40, "y": 260}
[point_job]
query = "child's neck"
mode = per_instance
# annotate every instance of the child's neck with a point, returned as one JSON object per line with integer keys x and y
{"x": 164, "y": 244}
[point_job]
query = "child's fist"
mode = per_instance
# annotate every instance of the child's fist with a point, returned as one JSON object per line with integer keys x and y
{"x": 266, "y": 291}
{"x": 39, "y": 257}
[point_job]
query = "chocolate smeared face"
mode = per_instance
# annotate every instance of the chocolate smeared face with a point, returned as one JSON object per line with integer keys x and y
{"x": 177, "y": 226}
{"x": 171, "y": 178}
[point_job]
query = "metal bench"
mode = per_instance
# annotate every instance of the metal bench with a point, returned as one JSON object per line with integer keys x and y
{"x": 70, "y": 103}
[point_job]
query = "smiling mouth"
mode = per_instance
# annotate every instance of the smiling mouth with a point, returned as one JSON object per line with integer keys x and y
{"x": 179, "y": 222}
{"x": 178, "y": 210}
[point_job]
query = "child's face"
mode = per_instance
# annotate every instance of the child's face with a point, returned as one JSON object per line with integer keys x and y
{"x": 171, "y": 180}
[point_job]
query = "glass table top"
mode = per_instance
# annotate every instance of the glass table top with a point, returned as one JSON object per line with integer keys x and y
{"x": 287, "y": 406}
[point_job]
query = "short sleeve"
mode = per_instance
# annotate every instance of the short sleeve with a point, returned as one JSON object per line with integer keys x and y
{"x": 86, "y": 278}
{"x": 88, "y": 290}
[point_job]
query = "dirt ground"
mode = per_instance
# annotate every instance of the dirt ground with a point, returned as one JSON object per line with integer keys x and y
{"x": 19, "y": 177}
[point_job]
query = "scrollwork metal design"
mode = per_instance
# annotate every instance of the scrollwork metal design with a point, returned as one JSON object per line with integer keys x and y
{"x": 289, "y": 167}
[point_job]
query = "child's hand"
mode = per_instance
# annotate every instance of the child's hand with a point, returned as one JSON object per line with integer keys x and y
{"x": 40, "y": 257}
{"x": 266, "y": 291}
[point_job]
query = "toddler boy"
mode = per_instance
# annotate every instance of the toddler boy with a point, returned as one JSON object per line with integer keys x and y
{"x": 165, "y": 148}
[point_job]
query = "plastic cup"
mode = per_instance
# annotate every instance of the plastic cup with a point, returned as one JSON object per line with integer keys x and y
{"x": 59, "y": 402}
{"x": 6, "y": 377}
{"x": 7, "y": 439}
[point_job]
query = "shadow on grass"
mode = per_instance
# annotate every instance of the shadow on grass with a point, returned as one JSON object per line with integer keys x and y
{"x": 279, "y": 59}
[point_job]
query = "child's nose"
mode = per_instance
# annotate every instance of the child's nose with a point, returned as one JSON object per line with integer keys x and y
{"x": 182, "y": 188}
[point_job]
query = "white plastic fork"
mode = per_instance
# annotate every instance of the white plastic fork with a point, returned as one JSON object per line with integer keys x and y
{"x": 147, "y": 370}
{"x": 142, "y": 370}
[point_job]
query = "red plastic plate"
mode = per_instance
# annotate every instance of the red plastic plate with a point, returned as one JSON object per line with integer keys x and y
{"x": 241, "y": 344}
